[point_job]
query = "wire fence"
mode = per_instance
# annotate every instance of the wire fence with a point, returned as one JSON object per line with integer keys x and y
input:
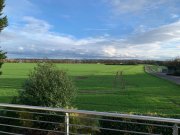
{"x": 33, "y": 120}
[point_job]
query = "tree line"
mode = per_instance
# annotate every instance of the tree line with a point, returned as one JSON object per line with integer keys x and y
{"x": 89, "y": 61}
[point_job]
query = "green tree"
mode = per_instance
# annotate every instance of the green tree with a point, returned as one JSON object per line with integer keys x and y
{"x": 2, "y": 56}
{"x": 48, "y": 86}
{"x": 3, "y": 19}
{"x": 3, "y": 24}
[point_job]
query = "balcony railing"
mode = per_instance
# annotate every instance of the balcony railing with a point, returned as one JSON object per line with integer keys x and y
{"x": 34, "y": 120}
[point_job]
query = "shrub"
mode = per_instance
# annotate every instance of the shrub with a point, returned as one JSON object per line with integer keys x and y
{"x": 2, "y": 57}
{"x": 86, "y": 120}
{"x": 47, "y": 86}
{"x": 131, "y": 125}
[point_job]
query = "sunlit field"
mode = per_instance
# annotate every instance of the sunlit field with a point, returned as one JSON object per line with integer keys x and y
{"x": 100, "y": 89}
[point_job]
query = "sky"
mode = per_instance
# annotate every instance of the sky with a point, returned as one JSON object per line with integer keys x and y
{"x": 92, "y": 29}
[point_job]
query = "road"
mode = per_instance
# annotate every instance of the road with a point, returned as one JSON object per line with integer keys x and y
{"x": 175, "y": 79}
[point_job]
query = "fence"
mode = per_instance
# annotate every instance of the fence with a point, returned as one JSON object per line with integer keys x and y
{"x": 34, "y": 120}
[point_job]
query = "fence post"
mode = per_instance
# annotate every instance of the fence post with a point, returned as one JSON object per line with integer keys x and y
{"x": 175, "y": 129}
{"x": 67, "y": 123}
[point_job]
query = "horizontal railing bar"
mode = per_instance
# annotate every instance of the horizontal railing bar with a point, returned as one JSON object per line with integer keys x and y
{"x": 120, "y": 121}
{"x": 130, "y": 116}
{"x": 83, "y": 118}
{"x": 77, "y": 134}
{"x": 32, "y": 112}
{"x": 40, "y": 121}
{"x": 110, "y": 129}
{"x": 36, "y": 129}
{"x": 82, "y": 125}
{"x": 56, "y": 122}
{"x": 9, "y": 133}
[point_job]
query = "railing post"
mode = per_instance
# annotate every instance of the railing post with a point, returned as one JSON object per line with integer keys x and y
{"x": 175, "y": 129}
{"x": 67, "y": 123}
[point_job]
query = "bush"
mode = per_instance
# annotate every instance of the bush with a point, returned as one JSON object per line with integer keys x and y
{"x": 47, "y": 86}
{"x": 86, "y": 120}
{"x": 122, "y": 124}
{"x": 2, "y": 57}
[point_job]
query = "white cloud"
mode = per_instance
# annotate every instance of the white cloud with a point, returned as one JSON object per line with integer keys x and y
{"x": 178, "y": 46}
{"x": 35, "y": 39}
{"x": 141, "y": 29}
{"x": 131, "y": 6}
{"x": 162, "y": 34}
{"x": 20, "y": 48}
{"x": 128, "y": 5}
{"x": 33, "y": 24}
{"x": 109, "y": 51}
{"x": 174, "y": 16}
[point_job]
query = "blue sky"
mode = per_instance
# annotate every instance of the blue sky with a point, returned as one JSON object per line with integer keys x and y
{"x": 115, "y": 29}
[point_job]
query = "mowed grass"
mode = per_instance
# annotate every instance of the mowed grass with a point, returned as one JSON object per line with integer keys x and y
{"x": 144, "y": 93}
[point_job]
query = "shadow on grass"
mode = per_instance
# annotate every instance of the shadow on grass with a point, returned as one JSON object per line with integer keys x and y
{"x": 6, "y": 99}
{"x": 11, "y": 83}
{"x": 140, "y": 81}
{"x": 143, "y": 91}
{"x": 105, "y": 82}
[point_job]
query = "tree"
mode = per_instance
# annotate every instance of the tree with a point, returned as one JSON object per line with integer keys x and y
{"x": 48, "y": 86}
{"x": 2, "y": 56}
{"x": 173, "y": 66}
{"x": 3, "y": 24}
{"x": 3, "y": 19}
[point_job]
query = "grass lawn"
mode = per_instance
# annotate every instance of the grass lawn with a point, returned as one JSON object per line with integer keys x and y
{"x": 144, "y": 93}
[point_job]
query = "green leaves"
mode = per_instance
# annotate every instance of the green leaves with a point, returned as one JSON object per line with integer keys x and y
{"x": 48, "y": 86}
{"x": 2, "y": 5}
{"x": 3, "y": 23}
{"x": 3, "y": 20}
{"x": 2, "y": 56}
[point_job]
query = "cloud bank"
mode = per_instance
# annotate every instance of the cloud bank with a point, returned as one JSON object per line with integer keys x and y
{"x": 135, "y": 6}
{"x": 36, "y": 40}
{"x": 30, "y": 37}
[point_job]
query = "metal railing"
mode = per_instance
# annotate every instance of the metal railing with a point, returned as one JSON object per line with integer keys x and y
{"x": 34, "y": 120}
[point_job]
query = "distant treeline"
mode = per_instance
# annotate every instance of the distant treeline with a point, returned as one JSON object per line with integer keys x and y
{"x": 173, "y": 67}
{"x": 88, "y": 61}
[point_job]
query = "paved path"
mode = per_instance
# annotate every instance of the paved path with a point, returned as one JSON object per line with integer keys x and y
{"x": 175, "y": 79}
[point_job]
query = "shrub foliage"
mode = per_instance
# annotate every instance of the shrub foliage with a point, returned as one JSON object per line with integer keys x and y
{"x": 3, "y": 24}
{"x": 48, "y": 86}
{"x": 2, "y": 57}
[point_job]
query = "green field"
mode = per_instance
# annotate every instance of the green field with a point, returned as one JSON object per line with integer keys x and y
{"x": 143, "y": 94}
